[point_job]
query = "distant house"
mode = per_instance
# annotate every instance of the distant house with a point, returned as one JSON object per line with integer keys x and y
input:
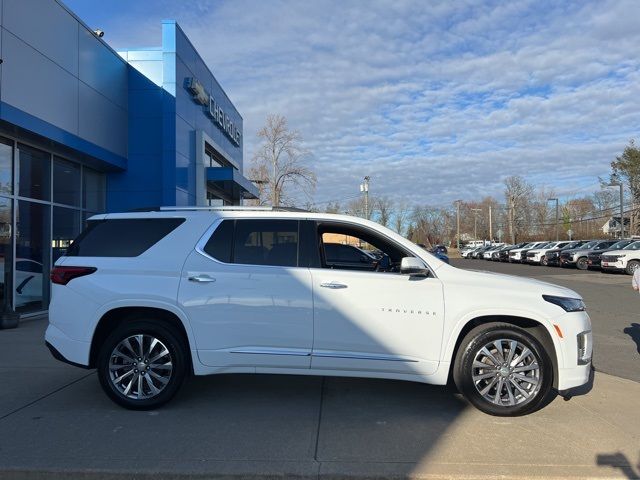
{"x": 612, "y": 226}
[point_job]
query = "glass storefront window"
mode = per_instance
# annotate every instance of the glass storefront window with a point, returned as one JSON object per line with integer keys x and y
{"x": 34, "y": 173}
{"x": 95, "y": 186}
{"x": 6, "y": 253}
{"x": 66, "y": 182}
{"x": 32, "y": 257}
{"x": 66, "y": 227}
{"x": 6, "y": 166}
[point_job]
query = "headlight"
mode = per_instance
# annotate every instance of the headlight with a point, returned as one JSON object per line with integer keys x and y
{"x": 567, "y": 304}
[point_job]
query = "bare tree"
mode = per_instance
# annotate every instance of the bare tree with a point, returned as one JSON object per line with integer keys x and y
{"x": 384, "y": 209}
{"x": 279, "y": 162}
{"x": 400, "y": 218}
{"x": 518, "y": 195}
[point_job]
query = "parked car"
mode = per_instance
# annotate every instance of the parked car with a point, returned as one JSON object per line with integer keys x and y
{"x": 553, "y": 256}
{"x": 594, "y": 258}
{"x": 338, "y": 255}
{"x": 504, "y": 254}
{"x": 525, "y": 252}
{"x": 579, "y": 257}
{"x": 626, "y": 260}
{"x": 538, "y": 256}
{"x": 147, "y": 298}
{"x": 487, "y": 253}
{"x": 495, "y": 256}
{"x": 440, "y": 249}
{"x": 515, "y": 255}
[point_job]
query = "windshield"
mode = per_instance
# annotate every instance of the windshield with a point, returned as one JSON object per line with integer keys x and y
{"x": 589, "y": 245}
{"x": 620, "y": 245}
{"x": 633, "y": 246}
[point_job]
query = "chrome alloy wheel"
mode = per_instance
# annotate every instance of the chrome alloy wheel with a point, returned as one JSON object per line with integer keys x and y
{"x": 506, "y": 373}
{"x": 140, "y": 366}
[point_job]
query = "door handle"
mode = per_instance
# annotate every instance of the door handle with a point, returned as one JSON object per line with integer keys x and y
{"x": 202, "y": 279}
{"x": 333, "y": 285}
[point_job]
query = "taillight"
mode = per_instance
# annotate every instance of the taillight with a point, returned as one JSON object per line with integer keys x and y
{"x": 63, "y": 275}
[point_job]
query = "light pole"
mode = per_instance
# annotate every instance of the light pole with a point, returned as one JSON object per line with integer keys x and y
{"x": 475, "y": 222}
{"x": 619, "y": 184}
{"x": 457, "y": 202}
{"x": 557, "y": 217}
{"x": 364, "y": 188}
{"x": 490, "y": 225}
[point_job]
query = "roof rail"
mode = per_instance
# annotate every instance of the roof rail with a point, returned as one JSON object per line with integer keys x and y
{"x": 240, "y": 208}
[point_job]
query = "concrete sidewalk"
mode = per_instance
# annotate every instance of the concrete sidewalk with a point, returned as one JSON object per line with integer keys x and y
{"x": 55, "y": 422}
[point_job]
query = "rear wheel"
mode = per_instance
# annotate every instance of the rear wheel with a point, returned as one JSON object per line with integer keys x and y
{"x": 632, "y": 266}
{"x": 503, "y": 370}
{"x": 582, "y": 263}
{"x": 142, "y": 364}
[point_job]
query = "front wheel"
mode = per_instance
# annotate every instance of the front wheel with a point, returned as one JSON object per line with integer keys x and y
{"x": 142, "y": 364}
{"x": 632, "y": 266}
{"x": 503, "y": 370}
{"x": 543, "y": 261}
{"x": 582, "y": 263}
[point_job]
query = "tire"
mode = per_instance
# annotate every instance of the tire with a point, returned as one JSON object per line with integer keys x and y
{"x": 632, "y": 266}
{"x": 582, "y": 263}
{"x": 167, "y": 377}
{"x": 512, "y": 401}
{"x": 543, "y": 261}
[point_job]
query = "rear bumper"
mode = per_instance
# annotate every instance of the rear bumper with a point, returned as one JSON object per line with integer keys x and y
{"x": 65, "y": 349}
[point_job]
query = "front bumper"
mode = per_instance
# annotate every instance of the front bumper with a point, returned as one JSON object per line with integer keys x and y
{"x": 581, "y": 388}
{"x": 575, "y": 350}
{"x": 617, "y": 265}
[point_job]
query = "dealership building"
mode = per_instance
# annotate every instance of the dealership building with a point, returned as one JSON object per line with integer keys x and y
{"x": 85, "y": 129}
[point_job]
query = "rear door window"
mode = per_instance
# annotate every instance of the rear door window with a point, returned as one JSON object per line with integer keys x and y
{"x": 121, "y": 237}
{"x": 266, "y": 242}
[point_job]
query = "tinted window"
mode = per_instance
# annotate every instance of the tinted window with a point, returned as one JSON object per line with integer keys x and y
{"x": 604, "y": 245}
{"x": 126, "y": 237}
{"x": 221, "y": 241}
{"x": 266, "y": 242}
{"x": 351, "y": 254}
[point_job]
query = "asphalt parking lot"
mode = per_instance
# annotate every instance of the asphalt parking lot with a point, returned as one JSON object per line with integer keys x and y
{"x": 55, "y": 422}
{"x": 613, "y": 305}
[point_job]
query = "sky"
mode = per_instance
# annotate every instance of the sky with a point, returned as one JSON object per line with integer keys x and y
{"x": 434, "y": 100}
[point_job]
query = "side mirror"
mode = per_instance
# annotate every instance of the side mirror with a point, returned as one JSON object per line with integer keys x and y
{"x": 413, "y": 266}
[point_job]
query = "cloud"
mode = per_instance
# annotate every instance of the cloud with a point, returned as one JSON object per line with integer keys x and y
{"x": 434, "y": 100}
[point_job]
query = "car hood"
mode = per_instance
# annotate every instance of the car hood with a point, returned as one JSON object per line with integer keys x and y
{"x": 576, "y": 250}
{"x": 619, "y": 252}
{"x": 509, "y": 282}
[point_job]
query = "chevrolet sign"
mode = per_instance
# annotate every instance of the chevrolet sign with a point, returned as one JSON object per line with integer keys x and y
{"x": 213, "y": 110}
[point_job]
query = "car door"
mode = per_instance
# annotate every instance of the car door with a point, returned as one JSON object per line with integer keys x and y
{"x": 376, "y": 322}
{"x": 248, "y": 302}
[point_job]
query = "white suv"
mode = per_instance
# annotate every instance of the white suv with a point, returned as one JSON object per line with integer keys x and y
{"x": 625, "y": 260}
{"x": 148, "y": 298}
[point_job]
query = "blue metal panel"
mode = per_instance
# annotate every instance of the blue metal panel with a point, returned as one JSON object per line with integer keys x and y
{"x": 185, "y": 139}
{"x": 110, "y": 160}
{"x": 101, "y": 121}
{"x": 150, "y": 69}
{"x": 47, "y": 27}
{"x": 219, "y": 175}
{"x": 101, "y": 69}
{"x": 37, "y": 85}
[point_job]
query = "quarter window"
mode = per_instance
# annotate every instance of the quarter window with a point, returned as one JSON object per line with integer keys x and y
{"x": 219, "y": 245}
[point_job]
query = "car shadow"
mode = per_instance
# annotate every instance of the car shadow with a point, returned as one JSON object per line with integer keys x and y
{"x": 634, "y": 332}
{"x": 619, "y": 461}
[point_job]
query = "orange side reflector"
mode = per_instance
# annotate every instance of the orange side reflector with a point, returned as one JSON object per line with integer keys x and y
{"x": 558, "y": 330}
